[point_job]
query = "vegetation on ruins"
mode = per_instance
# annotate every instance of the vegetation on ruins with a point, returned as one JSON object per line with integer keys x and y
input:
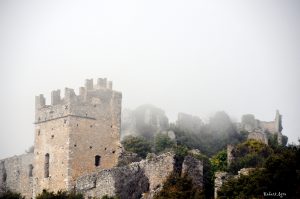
{"x": 219, "y": 161}
{"x": 162, "y": 142}
{"x": 10, "y": 195}
{"x": 208, "y": 175}
{"x": 213, "y": 137}
{"x": 142, "y": 146}
{"x": 211, "y": 141}
{"x": 44, "y": 195}
{"x": 109, "y": 197}
{"x": 248, "y": 154}
{"x": 277, "y": 167}
{"x": 180, "y": 188}
{"x": 138, "y": 145}
{"x": 272, "y": 139}
{"x": 59, "y": 195}
{"x": 278, "y": 175}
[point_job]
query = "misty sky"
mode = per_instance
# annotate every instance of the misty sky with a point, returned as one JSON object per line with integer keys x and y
{"x": 196, "y": 57}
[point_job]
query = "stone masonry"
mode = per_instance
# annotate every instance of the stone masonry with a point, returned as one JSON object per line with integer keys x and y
{"x": 16, "y": 174}
{"x": 74, "y": 135}
{"x": 222, "y": 177}
{"x": 257, "y": 128}
{"x": 139, "y": 179}
{"x": 77, "y": 147}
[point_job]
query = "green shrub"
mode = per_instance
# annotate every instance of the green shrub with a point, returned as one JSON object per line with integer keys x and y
{"x": 138, "y": 145}
{"x": 219, "y": 161}
{"x": 280, "y": 173}
{"x": 11, "y": 195}
{"x": 59, "y": 195}
{"x": 179, "y": 188}
{"x": 162, "y": 142}
{"x": 251, "y": 153}
{"x": 109, "y": 197}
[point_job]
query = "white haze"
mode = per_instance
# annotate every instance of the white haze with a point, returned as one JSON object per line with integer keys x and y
{"x": 196, "y": 57}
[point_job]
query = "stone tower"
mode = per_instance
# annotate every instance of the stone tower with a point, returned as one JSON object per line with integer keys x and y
{"x": 75, "y": 135}
{"x": 278, "y": 127}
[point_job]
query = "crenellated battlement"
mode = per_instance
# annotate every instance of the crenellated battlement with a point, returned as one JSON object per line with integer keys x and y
{"x": 75, "y": 134}
{"x": 89, "y": 95}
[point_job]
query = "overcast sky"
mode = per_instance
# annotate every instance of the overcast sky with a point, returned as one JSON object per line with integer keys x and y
{"x": 196, "y": 57}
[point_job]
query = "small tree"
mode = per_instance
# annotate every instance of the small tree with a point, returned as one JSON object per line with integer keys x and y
{"x": 162, "y": 142}
{"x": 138, "y": 145}
{"x": 219, "y": 161}
{"x": 180, "y": 188}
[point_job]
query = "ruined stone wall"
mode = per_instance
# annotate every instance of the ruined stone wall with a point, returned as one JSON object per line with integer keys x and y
{"x": 158, "y": 168}
{"x": 269, "y": 126}
{"x": 193, "y": 168}
{"x": 139, "y": 179}
{"x": 222, "y": 177}
{"x": 128, "y": 181}
{"x": 259, "y": 136}
{"x": 16, "y": 174}
{"x": 230, "y": 156}
{"x": 145, "y": 120}
{"x": 189, "y": 122}
{"x": 257, "y": 128}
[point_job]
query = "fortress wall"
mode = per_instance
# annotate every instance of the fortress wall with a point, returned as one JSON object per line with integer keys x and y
{"x": 51, "y": 138}
{"x": 74, "y": 130}
{"x": 270, "y": 126}
{"x": 158, "y": 168}
{"x": 128, "y": 181}
{"x": 15, "y": 174}
{"x": 139, "y": 179}
{"x": 194, "y": 169}
{"x": 96, "y": 134}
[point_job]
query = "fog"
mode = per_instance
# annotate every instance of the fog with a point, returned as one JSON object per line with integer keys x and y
{"x": 196, "y": 57}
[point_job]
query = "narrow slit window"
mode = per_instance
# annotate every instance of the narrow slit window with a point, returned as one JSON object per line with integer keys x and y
{"x": 47, "y": 158}
{"x": 97, "y": 160}
{"x": 30, "y": 167}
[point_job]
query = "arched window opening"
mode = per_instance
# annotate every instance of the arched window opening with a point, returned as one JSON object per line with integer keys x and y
{"x": 97, "y": 160}
{"x": 46, "y": 167}
{"x": 30, "y": 169}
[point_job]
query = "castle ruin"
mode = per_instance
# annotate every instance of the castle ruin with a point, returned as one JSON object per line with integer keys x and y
{"x": 77, "y": 148}
{"x": 74, "y": 135}
{"x": 257, "y": 129}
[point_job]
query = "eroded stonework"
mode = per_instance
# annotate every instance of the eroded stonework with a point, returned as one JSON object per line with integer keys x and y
{"x": 139, "y": 179}
{"x": 222, "y": 177}
{"x": 258, "y": 129}
{"x": 80, "y": 134}
{"x": 74, "y": 135}
{"x": 16, "y": 174}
